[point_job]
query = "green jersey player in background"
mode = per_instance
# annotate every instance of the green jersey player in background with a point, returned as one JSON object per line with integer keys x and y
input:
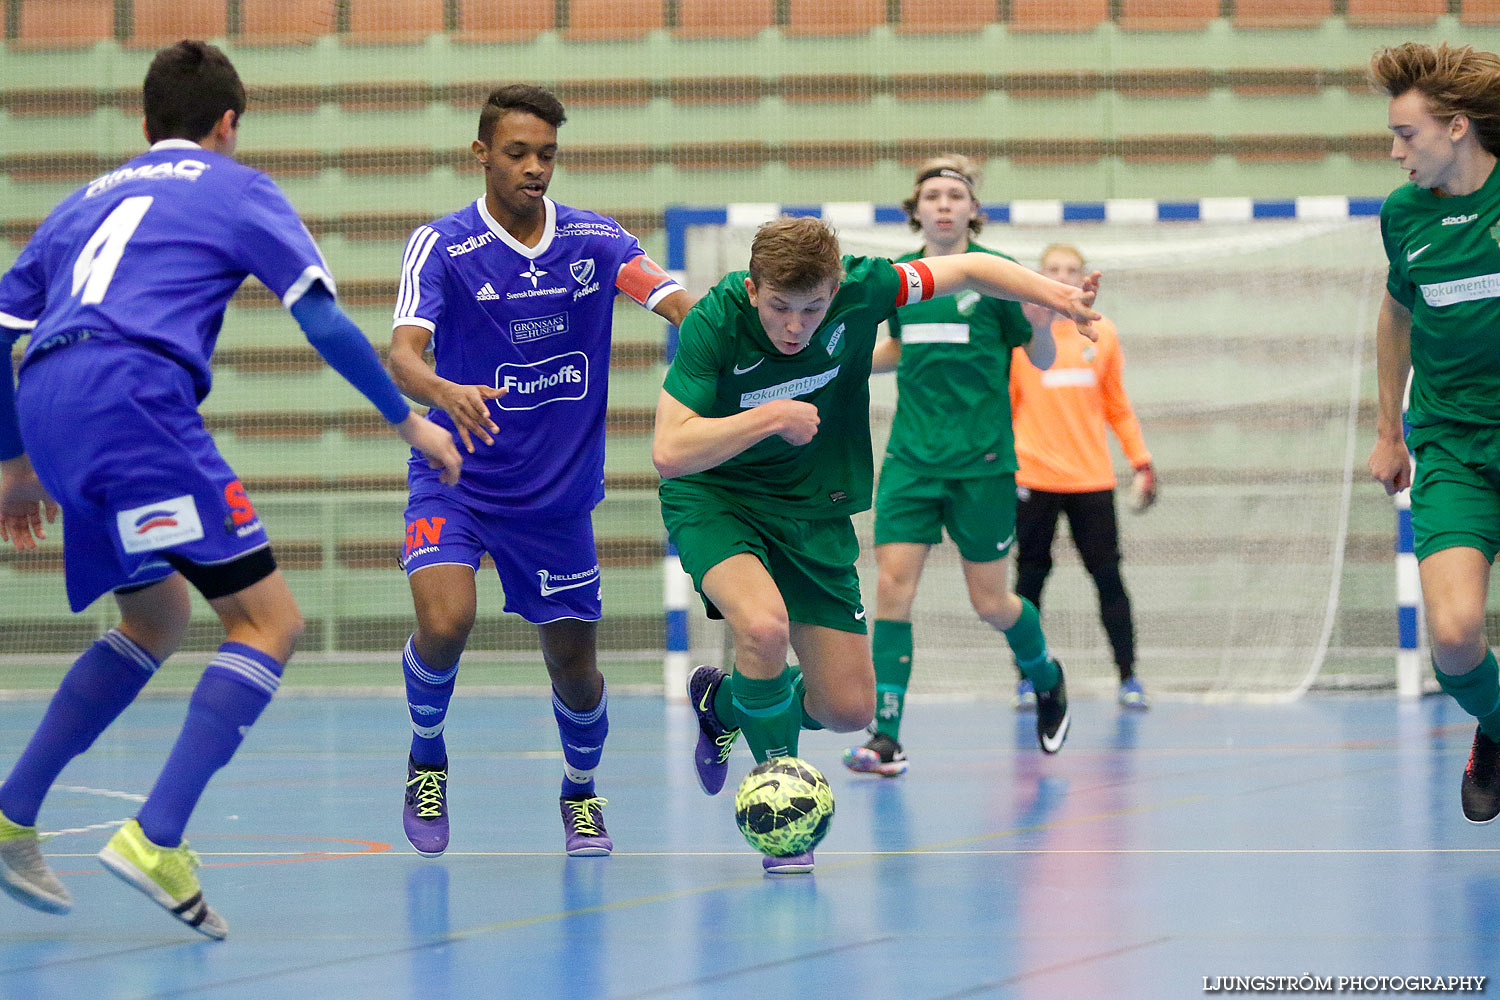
{"x": 952, "y": 356}
{"x": 763, "y": 443}
{"x": 1440, "y": 321}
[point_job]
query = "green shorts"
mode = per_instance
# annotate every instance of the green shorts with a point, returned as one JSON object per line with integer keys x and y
{"x": 1455, "y": 500}
{"x": 979, "y": 512}
{"x": 811, "y": 560}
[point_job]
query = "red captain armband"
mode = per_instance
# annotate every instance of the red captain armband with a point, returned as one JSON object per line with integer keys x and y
{"x": 916, "y": 283}
{"x": 644, "y": 280}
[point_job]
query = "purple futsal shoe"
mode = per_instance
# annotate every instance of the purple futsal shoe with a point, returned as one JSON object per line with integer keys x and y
{"x": 715, "y": 740}
{"x": 584, "y": 835}
{"x": 426, "y": 814}
{"x": 796, "y": 864}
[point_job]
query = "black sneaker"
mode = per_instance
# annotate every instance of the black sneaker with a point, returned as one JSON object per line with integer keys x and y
{"x": 1480, "y": 791}
{"x": 880, "y": 755}
{"x": 1052, "y": 717}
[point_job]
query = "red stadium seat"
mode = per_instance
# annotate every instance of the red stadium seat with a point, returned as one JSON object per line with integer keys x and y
{"x": 946, "y": 17}
{"x": 1479, "y": 13}
{"x": 503, "y": 20}
{"x": 65, "y": 24}
{"x": 614, "y": 20}
{"x": 1281, "y": 13}
{"x": 393, "y": 22}
{"x": 834, "y": 17}
{"x": 162, "y": 22}
{"x": 1167, "y": 15}
{"x": 284, "y": 22}
{"x": 1402, "y": 12}
{"x": 1049, "y": 15}
{"x": 717, "y": 19}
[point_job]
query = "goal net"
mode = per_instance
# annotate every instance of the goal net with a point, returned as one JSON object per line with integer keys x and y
{"x": 1245, "y": 360}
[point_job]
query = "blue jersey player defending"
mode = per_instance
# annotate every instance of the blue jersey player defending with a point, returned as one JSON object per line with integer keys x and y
{"x": 514, "y": 293}
{"x": 123, "y": 290}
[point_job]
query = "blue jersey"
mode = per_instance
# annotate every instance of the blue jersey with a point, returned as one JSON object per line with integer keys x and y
{"x": 535, "y": 321}
{"x": 151, "y": 252}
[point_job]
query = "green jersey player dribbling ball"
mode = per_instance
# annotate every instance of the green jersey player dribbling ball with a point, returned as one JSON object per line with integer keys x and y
{"x": 763, "y": 442}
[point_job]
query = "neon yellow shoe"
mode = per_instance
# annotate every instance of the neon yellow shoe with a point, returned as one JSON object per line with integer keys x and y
{"x": 168, "y": 875}
{"x": 24, "y": 876}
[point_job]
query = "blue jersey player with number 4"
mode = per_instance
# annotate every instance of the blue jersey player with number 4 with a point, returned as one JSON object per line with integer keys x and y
{"x": 123, "y": 289}
{"x": 515, "y": 294}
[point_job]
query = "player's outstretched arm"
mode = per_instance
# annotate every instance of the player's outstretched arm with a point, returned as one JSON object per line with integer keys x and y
{"x": 999, "y": 278}
{"x": 468, "y": 405}
{"x": 1390, "y": 463}
{"x": 675, "y": 307}
{"x": 684, "y": 442}
{"x": 24, "y": 504}
{"x": 334, "y": 336}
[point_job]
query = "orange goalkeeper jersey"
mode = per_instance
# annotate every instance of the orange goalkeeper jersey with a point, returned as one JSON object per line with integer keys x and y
{"x": 1060, "y": 413}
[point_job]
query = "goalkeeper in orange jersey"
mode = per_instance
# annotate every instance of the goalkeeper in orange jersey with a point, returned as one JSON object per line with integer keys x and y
{"x": 1065, "y": 468}
{"x": 952, "y": 356}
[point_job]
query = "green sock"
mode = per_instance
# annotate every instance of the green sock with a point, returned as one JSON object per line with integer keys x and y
{"x": 1029, "y": 646}
{"x": 892, "y": 648}
{"x": 1477, "y": 692}
{"x": 799, "y": 692}
{"x": 768, "y": 714}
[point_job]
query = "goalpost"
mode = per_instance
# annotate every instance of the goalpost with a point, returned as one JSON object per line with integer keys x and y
{"x": 1243, "y": 325}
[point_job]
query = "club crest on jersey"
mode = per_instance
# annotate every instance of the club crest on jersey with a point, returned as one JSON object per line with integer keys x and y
{"x": 835, "y": 339}
{"x": 159, "y": 525}
{"x": 1495, "y": 233}
{"x": 582, "y": 270}
{"x": 555, "y": 379}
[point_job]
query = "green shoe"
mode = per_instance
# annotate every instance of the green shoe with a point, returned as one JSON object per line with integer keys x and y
{"x": 24, "y": 876}
{"x": 168, "y": 875}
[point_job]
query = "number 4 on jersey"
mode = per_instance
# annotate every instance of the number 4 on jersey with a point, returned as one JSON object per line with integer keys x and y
{"x": 96, "y": 263}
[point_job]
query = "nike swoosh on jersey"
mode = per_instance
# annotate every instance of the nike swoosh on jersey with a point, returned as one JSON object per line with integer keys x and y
{"x": 1416, "y": 253}
{"x": 859, "y": 615}
{"x": 740, "y": 371}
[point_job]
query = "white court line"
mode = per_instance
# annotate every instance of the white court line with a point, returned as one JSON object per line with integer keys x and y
{"x": 108, "y": 793}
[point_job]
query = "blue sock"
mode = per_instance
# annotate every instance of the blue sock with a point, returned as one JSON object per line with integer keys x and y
{"x": 583, "y": 736}
{"x": 427, "y": 695}
{"x": 96, "y": 689}
{"x": 234, "y": 689}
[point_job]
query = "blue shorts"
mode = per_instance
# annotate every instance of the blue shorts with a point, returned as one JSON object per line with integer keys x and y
{"x": 547, "y": 567}
{"x": 115, "y": 436}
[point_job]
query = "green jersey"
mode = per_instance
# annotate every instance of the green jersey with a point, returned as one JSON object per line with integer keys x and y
{"x": 1444, "y": 258}
{"x": 726, "y": 364}
{"x": 953, "y": 411}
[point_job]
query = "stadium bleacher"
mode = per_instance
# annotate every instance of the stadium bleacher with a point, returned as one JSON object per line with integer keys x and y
{"x": 367, "y": 127}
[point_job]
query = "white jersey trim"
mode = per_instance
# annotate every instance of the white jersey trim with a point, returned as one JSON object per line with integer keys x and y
{"x": 425, "y": 324}
{"x": 16, "y": 323}
{"x": 409, "y": 292}
{"x": 934, "y": 333}
{"x": 299, "y": 288}
{"x": 654, "y": 299}
{"x": 549, "y": 229}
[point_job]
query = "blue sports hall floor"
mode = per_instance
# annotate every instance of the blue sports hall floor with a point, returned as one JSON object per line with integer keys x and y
{"x": 1159, "y": 855}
